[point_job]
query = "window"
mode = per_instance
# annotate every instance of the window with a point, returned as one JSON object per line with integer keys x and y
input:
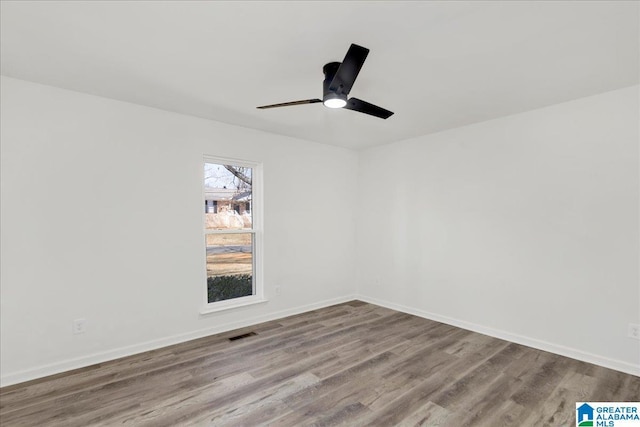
{"x": 232, "y": 233}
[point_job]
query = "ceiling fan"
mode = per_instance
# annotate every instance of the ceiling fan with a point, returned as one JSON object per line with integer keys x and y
{"x": 338, "y": 80}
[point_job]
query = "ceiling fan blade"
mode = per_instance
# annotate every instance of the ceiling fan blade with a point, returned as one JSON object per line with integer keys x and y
{"x": 361, "y": 106}
{"x": 349, "y": 69}
{"x": 287, "y": 104}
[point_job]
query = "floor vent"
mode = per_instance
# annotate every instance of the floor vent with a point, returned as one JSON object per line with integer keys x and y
{"x": 239, "y": 337}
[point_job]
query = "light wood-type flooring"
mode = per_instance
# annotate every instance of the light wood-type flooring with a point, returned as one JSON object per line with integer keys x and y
{"x": 352, "y": 364}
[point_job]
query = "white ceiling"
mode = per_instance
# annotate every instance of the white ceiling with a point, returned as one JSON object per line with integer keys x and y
{"x": 437, "y": 65}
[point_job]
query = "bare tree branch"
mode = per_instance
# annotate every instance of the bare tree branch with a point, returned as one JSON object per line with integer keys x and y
{"x": 238, "y": 174}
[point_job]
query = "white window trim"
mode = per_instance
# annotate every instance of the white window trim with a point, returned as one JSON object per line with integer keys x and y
{"x": 256, "y": 229}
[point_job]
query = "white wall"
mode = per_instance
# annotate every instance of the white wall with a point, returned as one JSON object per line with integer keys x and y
{"x": 101, "y": 216}
{"x": 524, "y": 227}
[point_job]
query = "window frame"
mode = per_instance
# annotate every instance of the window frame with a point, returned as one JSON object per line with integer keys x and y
{"x": 256, "y": 230}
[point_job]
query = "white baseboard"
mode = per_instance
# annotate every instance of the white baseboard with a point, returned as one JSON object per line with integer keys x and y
{"x": 618, "y": 365}
{"x": 104, "y": 356}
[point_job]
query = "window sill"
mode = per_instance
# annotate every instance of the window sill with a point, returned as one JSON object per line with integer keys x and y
{"x": 223, "y": 306}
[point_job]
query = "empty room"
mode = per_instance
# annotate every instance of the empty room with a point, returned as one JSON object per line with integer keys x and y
{"x": 307, "y": 213}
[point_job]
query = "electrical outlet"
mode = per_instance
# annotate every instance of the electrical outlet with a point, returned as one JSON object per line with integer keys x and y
{"x": 634, "y": 331}
{"x": 79, "y": 326}
{"x": 278, "y": 290}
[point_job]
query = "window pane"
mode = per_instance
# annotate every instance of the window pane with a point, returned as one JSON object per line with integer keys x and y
{"x": 229, "y": 266}
{"x": 227, "y": 194}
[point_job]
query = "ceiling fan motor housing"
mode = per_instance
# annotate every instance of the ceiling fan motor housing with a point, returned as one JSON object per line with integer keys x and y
{"x": 329, "y": 71}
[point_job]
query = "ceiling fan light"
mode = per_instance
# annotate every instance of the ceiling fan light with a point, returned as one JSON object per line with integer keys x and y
{"x": 335, "y": 103}
{"x": 334, "y": 100}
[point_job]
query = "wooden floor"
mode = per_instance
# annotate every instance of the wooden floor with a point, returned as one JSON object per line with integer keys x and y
{"x": 353, "y": 364}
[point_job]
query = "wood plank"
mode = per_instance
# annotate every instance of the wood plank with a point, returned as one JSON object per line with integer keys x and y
{"x": 352, "y": 364}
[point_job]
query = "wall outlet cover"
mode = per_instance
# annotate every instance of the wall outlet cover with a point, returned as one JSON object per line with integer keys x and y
{"x": 634, "y": 331}
{"x": 79, "y": 326}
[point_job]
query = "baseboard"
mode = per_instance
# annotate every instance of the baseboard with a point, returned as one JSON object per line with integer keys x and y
{"x": 561, "y": 350}
{"x": 104, "y": 356}
{"x": 101, "y": 357}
